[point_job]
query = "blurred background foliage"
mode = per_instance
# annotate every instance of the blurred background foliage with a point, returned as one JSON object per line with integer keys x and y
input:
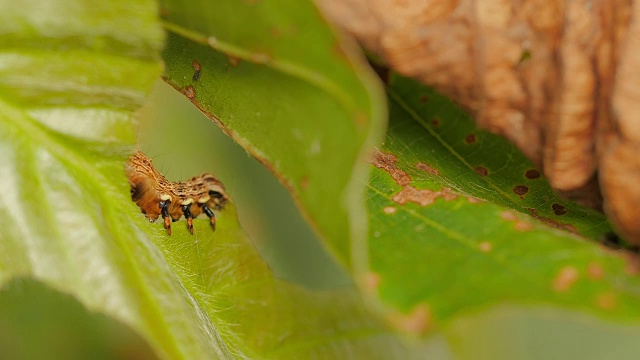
{"x": 37, "y": 322}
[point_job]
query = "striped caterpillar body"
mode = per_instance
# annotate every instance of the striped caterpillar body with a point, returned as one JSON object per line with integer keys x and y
{"x": 157, "y": 196}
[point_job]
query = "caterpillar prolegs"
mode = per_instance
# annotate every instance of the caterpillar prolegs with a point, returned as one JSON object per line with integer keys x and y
{"x": 156, "y": 196}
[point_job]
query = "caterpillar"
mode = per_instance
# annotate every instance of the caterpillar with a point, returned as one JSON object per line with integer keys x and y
{"x": 156, "y": 196}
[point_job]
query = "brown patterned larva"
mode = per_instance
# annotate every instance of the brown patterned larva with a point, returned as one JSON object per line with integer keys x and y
{"x": 157, "y": 196}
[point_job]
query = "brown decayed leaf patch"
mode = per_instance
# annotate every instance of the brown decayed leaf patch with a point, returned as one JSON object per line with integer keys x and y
{"x": 422, "y": 197}
{"x": 474, "y": 200}
{"x": 427, "y": 168}
{"x": 387, "y": 162}
{"x": 190, "y": 92}
{"x": 447, "y": 194}
{"x": 551, "y": 222}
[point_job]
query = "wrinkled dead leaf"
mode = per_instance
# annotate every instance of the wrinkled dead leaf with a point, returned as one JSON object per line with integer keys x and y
{"x": 558, "y": 78}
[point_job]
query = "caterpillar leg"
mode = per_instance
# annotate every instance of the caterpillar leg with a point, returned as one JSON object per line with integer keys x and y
{"x": 187, "y": 214}
{"x": 211, "y": 215}
{"x": 164, "y": 209}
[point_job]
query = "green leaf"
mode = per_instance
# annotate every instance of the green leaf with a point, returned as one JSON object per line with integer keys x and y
{"x": 291, "y": 92}
{"x": 260, "y": 317}
{"x": 67, "y": 94}
{"x": 446, "y": 238}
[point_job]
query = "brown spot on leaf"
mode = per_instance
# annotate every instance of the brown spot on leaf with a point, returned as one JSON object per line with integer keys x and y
{"x": 424, "y": 99}
{"x": 551, "y": 222}
{"x": 447, "y": 194}
{"x": 607, "y": 300}
{"x": 633, "y": 263}
{"x": 565, "y": 279}
{"x": 422, "y": 197}
{"x": 304, "y": 183}
{"x": 595, "y": 271}
{"x": 389, "y": 209}
{"x": 559, "y": 209}
{"x": 474, "y": 200}
{"x": 361, "y": 119}
{"x": 508, "y": 215}
{"x": 481, "y": 170}
{"x": 196, "y": 70}
{"x": 435, "y": 122}
{"x": 519, "y": 224}
{"x": 522, "y": 226}
{"x": 532, "y": 174}
{"x": 427, "y": 168}
{"x": 520, "y": 190}
{"x": 190, "y": 92}
{"x": 417, "y": 322}
{"x": 470, "y": 139}
{"x": 387, "y": 162}
{"x": 276, "y": 32}
{"x": 371, "y": 282}
{"x": 485, "y": 246}
{"x": 260, "y": 57}
{"x": 234, "y": 61}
